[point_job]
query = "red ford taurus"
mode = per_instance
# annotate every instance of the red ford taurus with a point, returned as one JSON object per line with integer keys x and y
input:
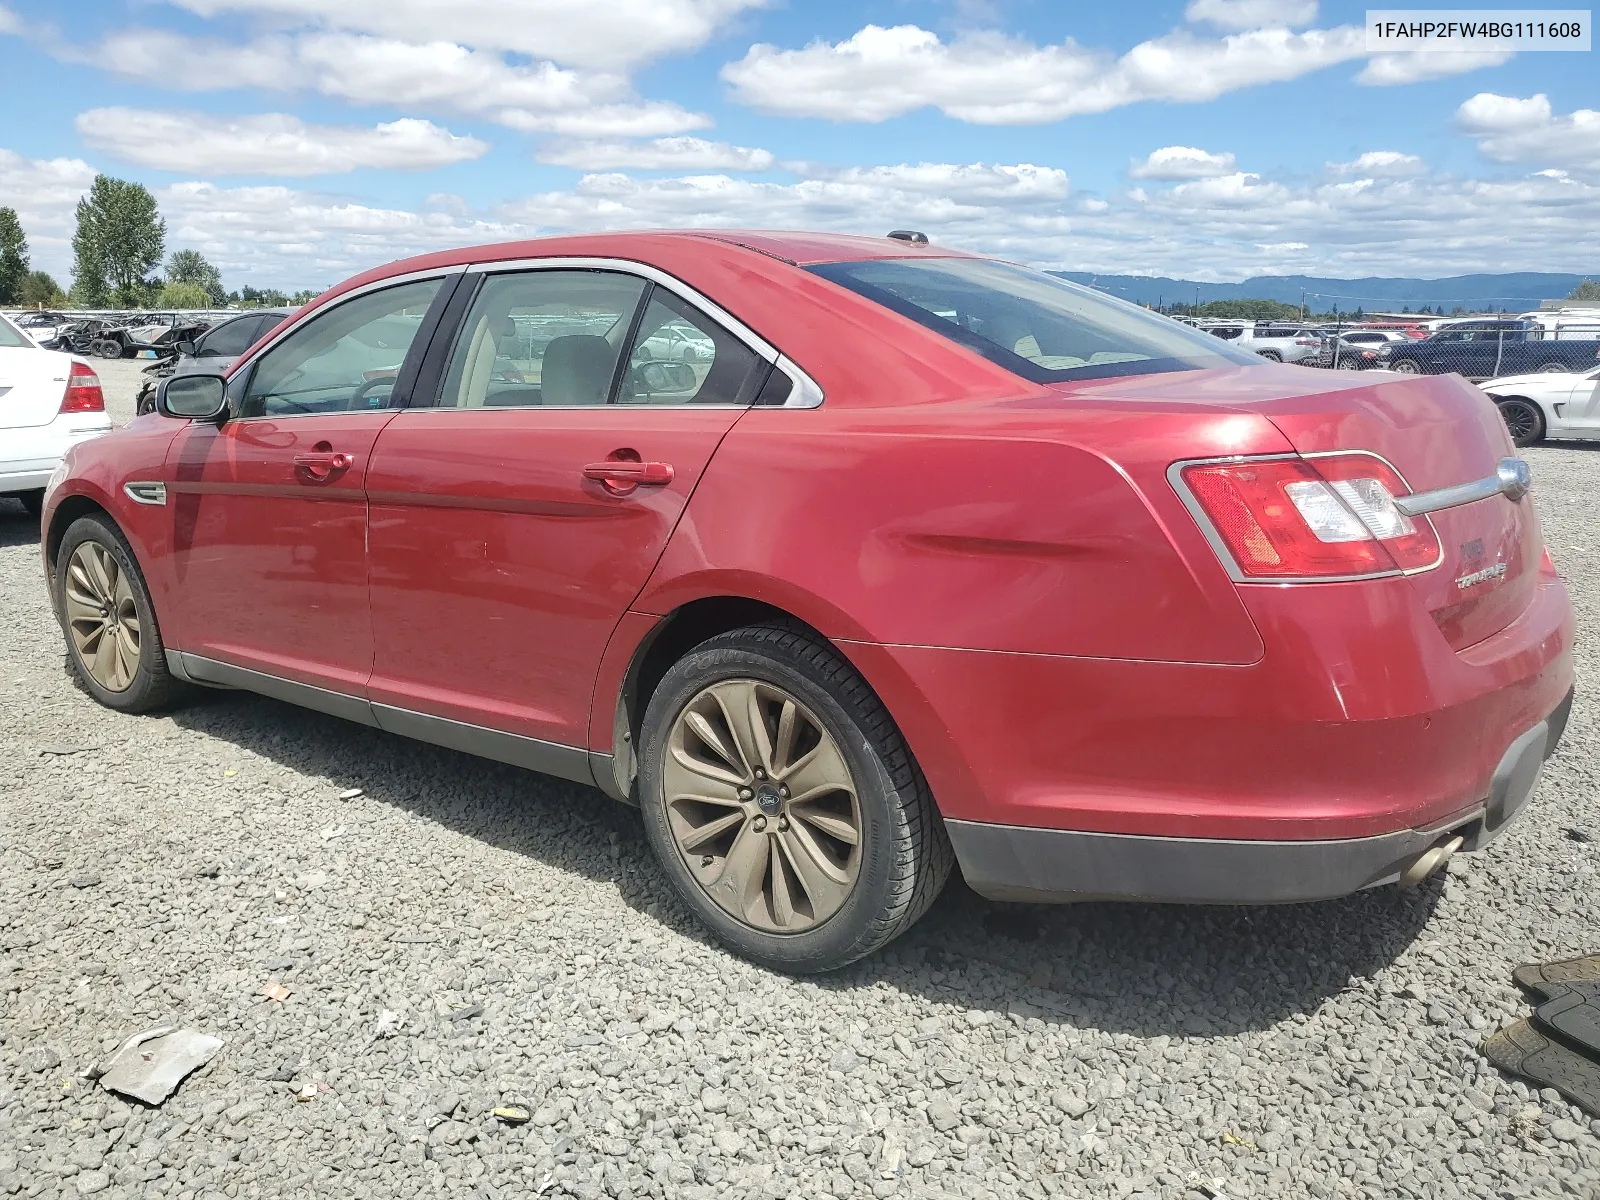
{"x": 848, "y": 560}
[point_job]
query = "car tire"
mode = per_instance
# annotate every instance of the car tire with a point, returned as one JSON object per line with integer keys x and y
{"x": 96, "y": 571}
{"x": 776, "y": 877}
{"x": 32, "y": 501}
{"x": 106, "y": 349}
{"x": 1524, "y": 420}
{"x": 1270, "y": 355}
{"x": 1405, "y": 366}
{"x": 1554, "y": 367}
{"x": 145, "y": 401}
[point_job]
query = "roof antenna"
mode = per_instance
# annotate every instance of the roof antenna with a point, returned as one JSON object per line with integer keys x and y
{"x": 909, "y": 235}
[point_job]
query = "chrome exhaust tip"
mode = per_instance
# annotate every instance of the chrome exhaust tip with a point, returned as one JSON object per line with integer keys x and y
{"x": 1429, "y": 861}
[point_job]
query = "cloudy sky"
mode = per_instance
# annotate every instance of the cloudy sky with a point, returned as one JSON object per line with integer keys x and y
{"x": 294, "y": 142}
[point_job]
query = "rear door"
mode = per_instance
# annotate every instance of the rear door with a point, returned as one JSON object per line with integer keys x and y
{"x": 515, "y": 520}
{"x": 270, "y": 508}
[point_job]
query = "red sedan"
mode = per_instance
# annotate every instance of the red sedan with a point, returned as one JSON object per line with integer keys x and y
{"x": 849, "y": 560}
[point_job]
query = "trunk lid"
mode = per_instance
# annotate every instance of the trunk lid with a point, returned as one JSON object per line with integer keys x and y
{"x": 32, "y": 384}
{"x": 1437, "y": 431}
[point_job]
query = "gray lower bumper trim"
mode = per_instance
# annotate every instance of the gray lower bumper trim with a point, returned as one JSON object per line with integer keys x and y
{"x": 1014, "y": 862}
{"x": 1010, "y": 862}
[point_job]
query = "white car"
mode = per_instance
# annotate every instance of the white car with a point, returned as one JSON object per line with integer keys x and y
{"x": 1548, "y": 404}
{"x": 48, "y": 402}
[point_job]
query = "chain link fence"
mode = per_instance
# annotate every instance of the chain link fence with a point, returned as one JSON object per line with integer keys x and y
{"x": 1477, "y": 348}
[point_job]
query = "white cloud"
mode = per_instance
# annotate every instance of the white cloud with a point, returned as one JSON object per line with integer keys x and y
{"x": 430, "y": 76}
{"x": 1182, "y": 162}
{"x": 990, "y": 79}
{"x": 269, "y": 144}
{"x": 673, "y": 153}
{"x": 612, "y": 35}
{"x": 9, "y": 21}
{"x": 1252, "y": 14}
{"x": 44, "y": 192}
{"x": 1509, "y": 129}
{"x": 1375, "y": 163}
{"x": 1221, "y": 227}
{"x": 1387, "y": 70}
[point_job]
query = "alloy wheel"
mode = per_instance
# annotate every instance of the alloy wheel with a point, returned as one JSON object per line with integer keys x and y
{"x": 762, "y": 806}
{"x": 1521, "y": 420}
{"x": 1405, "y": 366}
{"x": 102, "y": 617}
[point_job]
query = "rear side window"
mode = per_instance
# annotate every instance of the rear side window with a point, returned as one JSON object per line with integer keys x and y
{"x": 11, "y": 337}
{"x": 1036, "y": 325}
{"x": 680, "y": 356}
{"x": 542, "y": 338}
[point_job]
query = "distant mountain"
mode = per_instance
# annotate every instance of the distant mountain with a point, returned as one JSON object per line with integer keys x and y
{"x": 1515, "y": 292}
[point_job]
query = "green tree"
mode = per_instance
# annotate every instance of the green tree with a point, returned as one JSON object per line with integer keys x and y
{"x": 13, "y": 256}
{"x": 40, "y": 290}
{"x": 1589, "y": 289}
{"x": 190, "y": 266}
{"x": 1250, "y": 310}
{"x": 304, "y": 296}
{"x": 183, "y": 295}
{"x": 249, "y": 297}
{"x": 119, "y": 239}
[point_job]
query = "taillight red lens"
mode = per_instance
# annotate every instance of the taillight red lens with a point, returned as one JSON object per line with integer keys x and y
{"x": 83, "y": 391}
{"x": 1295, "y": 518}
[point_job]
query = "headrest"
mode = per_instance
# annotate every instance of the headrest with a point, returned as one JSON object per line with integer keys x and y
{"x": 577, "y": 370}
{"x": 507, "y": 329}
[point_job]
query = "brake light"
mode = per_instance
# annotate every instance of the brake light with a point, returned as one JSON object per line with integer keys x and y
{"x": 83, "y": 391}
{"x": 1295, "y": 518}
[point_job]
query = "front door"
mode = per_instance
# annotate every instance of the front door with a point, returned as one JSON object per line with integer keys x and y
{"x": 515, "y": 521}
{"x": 269, "y": 508}
{"x": 1582, "y": 407}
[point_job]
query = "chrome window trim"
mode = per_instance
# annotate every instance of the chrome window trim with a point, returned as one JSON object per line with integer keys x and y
{"x": 1225, "y": 556}
{"x": 807, "y": 393}
{"x": 289, "y": 324}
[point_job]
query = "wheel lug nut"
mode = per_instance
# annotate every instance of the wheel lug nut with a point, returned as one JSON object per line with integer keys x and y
{"x": 783, "y": 790}
{"x": 760, "y": 823}
{"x": 760, "y": 774}
{"x": 783, "y": 824}
{"x": 745, "y": 793}
{"x": 706, "y": 860}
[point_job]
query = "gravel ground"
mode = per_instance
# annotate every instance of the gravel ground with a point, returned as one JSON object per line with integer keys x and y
{"x": 462, "y": 935}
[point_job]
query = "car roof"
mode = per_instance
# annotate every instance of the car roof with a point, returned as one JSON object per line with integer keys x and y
{"x": 797, "y": 248}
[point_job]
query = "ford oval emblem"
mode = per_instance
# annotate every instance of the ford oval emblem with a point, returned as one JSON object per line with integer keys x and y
{"x": 1515, "y": 478}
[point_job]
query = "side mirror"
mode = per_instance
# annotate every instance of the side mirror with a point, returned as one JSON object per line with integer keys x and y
{"x": 185, "y": 346}
{"x": 658, "y": 376}
{"x": 195, "y": 397}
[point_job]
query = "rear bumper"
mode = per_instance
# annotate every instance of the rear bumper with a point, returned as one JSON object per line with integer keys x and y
{"x": 32, "y": 454}
{"x": 1010, "y": 862}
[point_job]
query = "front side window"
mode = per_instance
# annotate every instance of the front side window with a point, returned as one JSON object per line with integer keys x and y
{"x": 1038, "y": 326}
{"x": 344, "y": 359}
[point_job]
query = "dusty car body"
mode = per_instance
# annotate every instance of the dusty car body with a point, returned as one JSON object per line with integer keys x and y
{"x": 934, "y": 561}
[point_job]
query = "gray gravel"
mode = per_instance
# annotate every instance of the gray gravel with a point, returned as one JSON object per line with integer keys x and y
{"x": 460, "y": 935}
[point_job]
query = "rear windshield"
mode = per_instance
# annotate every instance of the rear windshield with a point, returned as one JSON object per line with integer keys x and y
{"x": 1040, "y": 327}
{"x": 10, "y": 336}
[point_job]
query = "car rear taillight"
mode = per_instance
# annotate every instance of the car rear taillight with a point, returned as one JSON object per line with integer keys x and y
{"x": 83, "y": 391}
{"x": 1330, "y": 517}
